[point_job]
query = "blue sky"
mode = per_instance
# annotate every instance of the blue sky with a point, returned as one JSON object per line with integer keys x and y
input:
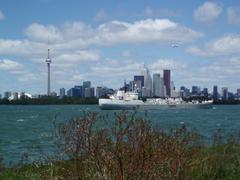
{"x": 109, "y": 41}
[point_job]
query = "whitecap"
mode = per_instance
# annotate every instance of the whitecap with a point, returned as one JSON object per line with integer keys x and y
{"x": 20, "y": 120}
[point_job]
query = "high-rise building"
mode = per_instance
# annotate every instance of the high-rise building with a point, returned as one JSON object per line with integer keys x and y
{"x": 158, "y": 90}
{"x": 147, "y": 81}
{"x": 238, "y": 92}
{"x": 89, "y": 92}
{"x": 196, "y": 90}
{"x": 215, "y": 93}
{"x": 224, "y": 93}
{"x": 167, "y": 81}
{"x": 139, "y": 78}
{"x": 15, "y": 95}
{"x": 62, "y": 93}
{"x": 99, "y": 92}
{"x": 182, "y": 91}
{"x": 7, "y": 94}
{"x": 205, "y": 92}
{"x": 76, "y": 91}
{"x": 137, "y": 85}
{"x": 92, "y": 92}
{"x": 86, "y": 84}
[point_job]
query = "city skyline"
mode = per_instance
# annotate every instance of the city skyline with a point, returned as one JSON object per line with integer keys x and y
{"x": 108, "y": 42}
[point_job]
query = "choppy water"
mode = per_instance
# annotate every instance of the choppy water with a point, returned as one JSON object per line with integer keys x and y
{"x": 27, "y": 128}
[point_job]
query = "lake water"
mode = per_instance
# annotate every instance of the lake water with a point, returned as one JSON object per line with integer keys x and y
{"x": 30, "y": 128}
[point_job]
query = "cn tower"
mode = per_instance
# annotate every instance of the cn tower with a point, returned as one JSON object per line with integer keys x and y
{"x": 48, "y": 61}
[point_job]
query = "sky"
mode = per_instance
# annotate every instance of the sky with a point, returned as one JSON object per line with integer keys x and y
{"x": 108, "y": 42}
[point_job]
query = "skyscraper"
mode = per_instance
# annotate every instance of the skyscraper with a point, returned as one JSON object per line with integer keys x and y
{"x": 147, "y": 81}
{"x": 48, "y": 61}
{"x": 139, "y": 78}
{"x": 215, "y": 93}
{"x": 86, "y": 84}
{"x": 76, "y": 91}
{"x": 166, "y": 81}
{"x": 62, "y": 93}
{"x": 99, "y": 92}
{"x": 224, "y": 93}
{"x": 157, "y": 85}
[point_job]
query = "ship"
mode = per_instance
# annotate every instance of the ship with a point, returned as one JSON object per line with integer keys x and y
{"x": 130, "y": 100}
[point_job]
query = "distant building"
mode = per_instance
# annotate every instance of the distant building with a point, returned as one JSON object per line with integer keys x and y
{"x": 62, "y": 93}
{"x": 158, "y": 87}
{"x": 147, "y": 82}
{"x": 182, "y": 91}
{"x": 7, "y": 94}
{"x": 167, "y": 81}
{"x": 215, "y": 93}
{"x": 196, "y": 90}
{"x": 89, "y": 92}
{"x": 224, "y": 93}
{"x": 238, "y": 92}
{"x": 205, "y": 92}
{"x": 53, "y": 94}
{"x": 86, "y": 84}
{"x": 15, "y": 95}
{"x": 99, "y": 92}
{"x": 137, "y": 85}
{"x": 140, "y": 79}
{"x": 76, "y": 91}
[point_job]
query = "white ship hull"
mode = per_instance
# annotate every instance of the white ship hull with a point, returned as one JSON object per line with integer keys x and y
{"x": 109, "y": 104}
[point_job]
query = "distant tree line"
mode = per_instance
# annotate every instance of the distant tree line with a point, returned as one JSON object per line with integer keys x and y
{"x": 46, "y": 100}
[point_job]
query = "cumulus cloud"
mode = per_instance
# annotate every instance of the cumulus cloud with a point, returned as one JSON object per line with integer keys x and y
{"x": 74, "y": 36}
{"x": 144, "y": 31}
{"x": 224, "y": 46}
{"x": 41, "y": 33}
{"x": 9, "y": 65}
{"x": 161, "y": 64}
{"x": 207, "y": 12}
{"x": 233, "y": 15}
{"x": 78, "y": 56}
{"x": 1, "y": 15}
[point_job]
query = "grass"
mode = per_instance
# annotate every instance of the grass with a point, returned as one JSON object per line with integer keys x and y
{"x": 131, "y": 148}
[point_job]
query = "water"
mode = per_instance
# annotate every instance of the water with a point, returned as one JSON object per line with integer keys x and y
{"x": 30, "y": 128}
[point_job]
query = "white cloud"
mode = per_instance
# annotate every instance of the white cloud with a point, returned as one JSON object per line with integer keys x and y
{"x": 233, "y": 15}
{"x": 144, "y": 31}
{"x": 207, "y": 12}
{"x": 78, "y": 56}
{"x": 41, "y": 33}
{"x": 74, "y": 36}
{"x": 9, "y": 65}
{"x": 1, "y": 15}
{"x": 161, "y": 64}
{"x": 227, "y": 45}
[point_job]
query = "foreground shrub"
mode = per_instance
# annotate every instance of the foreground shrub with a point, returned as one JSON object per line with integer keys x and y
{"x": 128, "y": 149}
